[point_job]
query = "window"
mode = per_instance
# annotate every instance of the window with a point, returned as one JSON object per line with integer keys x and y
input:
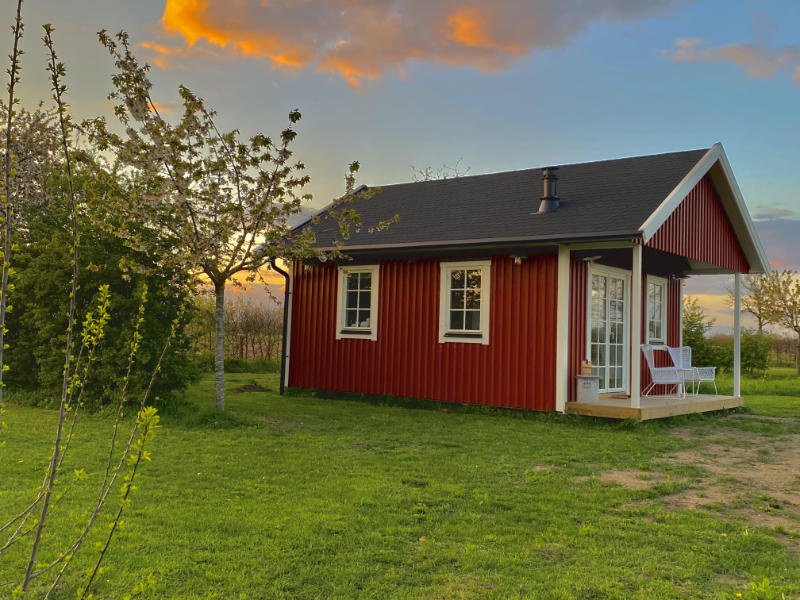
{"x": 656, "y": 310}
{"x": 357, "y": 303}
{"x": 464, "y": 302}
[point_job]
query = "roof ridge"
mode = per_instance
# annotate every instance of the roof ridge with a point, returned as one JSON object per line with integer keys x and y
{"x": 445, "y": 180}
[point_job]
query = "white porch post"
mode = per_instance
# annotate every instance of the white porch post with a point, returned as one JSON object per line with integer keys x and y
{"x": 680, "y": 300}
{"x": 737, "y": 335}
{"x": 562, "y": 329}
{"x": 636, "y": 326}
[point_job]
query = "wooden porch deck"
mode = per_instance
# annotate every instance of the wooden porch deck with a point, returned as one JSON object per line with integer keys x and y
{"x": 653, "y": 407}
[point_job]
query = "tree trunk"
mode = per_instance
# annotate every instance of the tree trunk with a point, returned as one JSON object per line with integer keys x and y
{"x": 797, "y": 358}
{"x": 219, "y": 348}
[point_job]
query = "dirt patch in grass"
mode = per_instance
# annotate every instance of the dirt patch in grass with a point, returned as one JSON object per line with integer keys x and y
{"x": 764, "y": 418}
{"x": 744, "y": 468}
{"x": 282, "y": 425}
{"x": 250, "y": 387}
{"x": 742, "y": 475}
{"x": 633, "y": 479}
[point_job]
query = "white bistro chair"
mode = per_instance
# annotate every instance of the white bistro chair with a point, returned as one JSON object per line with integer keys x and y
{"x": 668, "y": 376}
{"x": 682, "y": 359}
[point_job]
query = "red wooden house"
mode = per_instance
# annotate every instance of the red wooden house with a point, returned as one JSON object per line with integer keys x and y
{"x": 487, "y": 292}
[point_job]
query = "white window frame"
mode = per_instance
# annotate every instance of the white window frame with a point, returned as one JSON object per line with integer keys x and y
{"x": 665, "y": 285}
{"x": 595, "y": 269}
{"x": 445, "y": 334}
{"x": 358, "y": 333}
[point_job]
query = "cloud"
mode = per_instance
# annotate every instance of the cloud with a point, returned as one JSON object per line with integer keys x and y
{"x": 757, "y": 60}
{"x": 164, "y": 56}
{"x": 781, "y": 242}
{"x": 362, "y": 40}
{"x": 163, "y": 107}
{"x": 764, "y": 213}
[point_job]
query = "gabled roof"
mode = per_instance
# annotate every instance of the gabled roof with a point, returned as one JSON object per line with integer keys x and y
{"x": 610, "y": 199}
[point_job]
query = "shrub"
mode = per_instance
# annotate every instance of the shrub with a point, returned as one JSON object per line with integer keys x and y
{"x": 40, "y": 303}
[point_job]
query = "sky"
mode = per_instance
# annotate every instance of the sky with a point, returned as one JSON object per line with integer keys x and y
{"x": 490, "y": 85}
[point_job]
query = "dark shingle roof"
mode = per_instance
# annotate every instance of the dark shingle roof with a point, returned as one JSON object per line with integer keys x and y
{"x": 605, "y": 198}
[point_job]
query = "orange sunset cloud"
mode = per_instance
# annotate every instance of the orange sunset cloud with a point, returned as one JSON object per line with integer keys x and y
{"x": 469, "y": 27}
{"x": 362, "y": 40}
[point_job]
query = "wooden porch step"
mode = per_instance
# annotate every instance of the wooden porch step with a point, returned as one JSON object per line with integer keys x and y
{"x": 653, "y": 407}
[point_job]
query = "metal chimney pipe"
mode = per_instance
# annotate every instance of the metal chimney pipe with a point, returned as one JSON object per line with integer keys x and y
{"x": 550, "y": 201}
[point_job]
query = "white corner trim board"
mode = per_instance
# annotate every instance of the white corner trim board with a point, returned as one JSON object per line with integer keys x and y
{"x": 562, "y": 327}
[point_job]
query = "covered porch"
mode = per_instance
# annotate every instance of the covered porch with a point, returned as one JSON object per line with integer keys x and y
{"x": 622, "y": 296}
{"x": 616, "y": 296}
{"x": 619, "y": 323}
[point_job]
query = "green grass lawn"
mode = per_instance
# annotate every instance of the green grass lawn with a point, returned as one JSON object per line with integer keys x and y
{"x": 304, "y": 497}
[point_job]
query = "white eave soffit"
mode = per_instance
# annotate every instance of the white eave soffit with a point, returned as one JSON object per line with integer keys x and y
{"x": 732, "y": 202}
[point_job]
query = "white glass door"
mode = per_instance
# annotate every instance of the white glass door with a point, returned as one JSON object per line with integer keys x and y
{"x": 607, "y": 330}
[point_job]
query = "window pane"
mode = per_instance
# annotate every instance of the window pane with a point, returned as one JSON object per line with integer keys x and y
{"x": 616, "y": 312}
{"x": 352, "y": 281}
{"x": 457, "y": 299}
{"x": 472, "y": 320}
{"x": 457, "y": 320}
{"x": 457, "y": 280}
{"x": 474, "y": 278}
{"x": 601, "y": 373}
{"x": 616, "y": 289}
{"x": 473, "y": 299}
{"x": 366, "y": 281}
{"x": 364, "y": 299}
{"x": 363, "y": 318}
{"x": 599, "y": 285}
{"x": 352, "y": 300}
{"x": 351, "y": 318}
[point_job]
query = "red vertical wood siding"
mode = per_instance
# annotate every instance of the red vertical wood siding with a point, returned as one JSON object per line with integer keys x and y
{"x": 578, "y": 280}
{"x": 516, "y": 369}
{"x": 700, "y": 229}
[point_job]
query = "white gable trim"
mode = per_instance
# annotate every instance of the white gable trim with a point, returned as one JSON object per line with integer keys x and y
{"x": 756, "y": 255}
{"x": 734, "y": 207}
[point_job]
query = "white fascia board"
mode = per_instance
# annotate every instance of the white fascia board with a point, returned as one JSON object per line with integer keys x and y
{"x": 676, "y": 196}
{"x": 751, "y": 245}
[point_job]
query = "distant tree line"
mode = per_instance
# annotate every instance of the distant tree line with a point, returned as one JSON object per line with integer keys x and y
{"x": 772, "y": 299}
